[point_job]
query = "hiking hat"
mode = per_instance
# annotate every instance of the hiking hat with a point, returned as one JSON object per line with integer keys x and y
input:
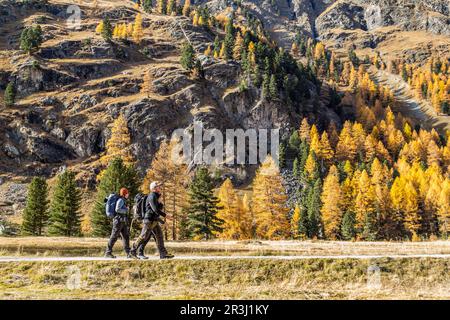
{"x": 154, "y": 185}
{"x": 123, "y": 192}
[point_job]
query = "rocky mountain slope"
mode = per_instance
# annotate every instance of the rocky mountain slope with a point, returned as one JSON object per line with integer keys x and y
{"x": 71, "y": 90}
{"x": 423, "y": 26}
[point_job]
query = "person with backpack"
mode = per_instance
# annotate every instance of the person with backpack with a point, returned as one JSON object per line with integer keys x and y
{"x": 116, "y": 208}
{"x": 151, "y": 214}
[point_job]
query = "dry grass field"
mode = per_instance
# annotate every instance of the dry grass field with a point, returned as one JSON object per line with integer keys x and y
{"x": 406, "y": 278}
{"x": 45, "y": 246}
{"x": 227, "y": 270}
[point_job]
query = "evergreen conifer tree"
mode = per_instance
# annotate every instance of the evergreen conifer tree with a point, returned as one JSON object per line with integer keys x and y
{"x": 229, "y": 40}
{"x": 147, "y": 5}
{"x": 35, "y": 215}
{"x": 187, "y": 57}
{"x": 65, "y": 216}
{"x": 202, "y": 207}
{"x": 31, "y": 39}
{"x": 10, "y": 94}
{"x": 348, "y": 231}
{"x": 107, "y": 30}
{"x": 314, "y": 215}
{"x": 117, "y": 175}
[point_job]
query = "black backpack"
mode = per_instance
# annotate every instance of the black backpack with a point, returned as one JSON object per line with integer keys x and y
{"x": 139, "y": 206}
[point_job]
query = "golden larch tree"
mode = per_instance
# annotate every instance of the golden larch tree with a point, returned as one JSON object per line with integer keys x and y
{"x": 238, "y": 47}
{"x": 444, "y": 208}
{"x": 269, "y": 203}
{"x": 411, "y": 216}
{"x": 305, "y": 130}
{"x": 118, "y": 144}
{"x": 229, "y": 212}
{"x": 208, "y": 51}
{"x": 311, "y": 165}
{"x": 326, "y": 152}
{"x": 331, "y": 204}
{"x": 99, "y": 28}
{"x": 173, "y": 177}
{"x": 248, "y": 221}
{"x": 364, "y": 203}
{"x": 295, "y": 220}
{"x": 187, "y": 8}
{"x": 346, "y": 147}
{"x": 138, "y": 32}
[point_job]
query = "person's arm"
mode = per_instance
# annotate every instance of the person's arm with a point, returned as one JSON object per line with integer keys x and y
{"x": 121, "y": 207}
{"x": 154, "y": 205}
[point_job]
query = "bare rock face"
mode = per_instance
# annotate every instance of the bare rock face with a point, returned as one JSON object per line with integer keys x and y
{"x": 222, "y": 75}
{"x": 172, "y": 82}
{"x": 86, "y": 141}
{"x": 431, "y": 16}
{"x": 13, "y": 198}
{"x": 342, "y": 16}
{"x": 32, "y": 77}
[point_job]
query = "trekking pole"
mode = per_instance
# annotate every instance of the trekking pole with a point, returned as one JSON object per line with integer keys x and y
{"x": 131, "y": 226}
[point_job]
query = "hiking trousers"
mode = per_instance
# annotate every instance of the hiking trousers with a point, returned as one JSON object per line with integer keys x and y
{"x": 120, "y": 228}
{"x": 150, "y": 228}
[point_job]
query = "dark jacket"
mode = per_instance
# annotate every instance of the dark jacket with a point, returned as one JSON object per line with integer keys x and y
{"x": 153, "y": 207}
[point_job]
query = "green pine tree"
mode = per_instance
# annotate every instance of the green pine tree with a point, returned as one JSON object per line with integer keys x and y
{"x": 229, "y": 39}
{"x": 115, "y": 177}
{"x": 31, "y": 39}
{"x": 35, "y": 215}
{"x": 348, "y": 226}
{"x": 314, "y": 205}
{"x": 303, "y": 224}
{"x": 147, "y": 5}
{"x": 304, "y": 151}
{"x": 369, "y": 232}
{"x": 10, "y": 94}
{"x": 107, "y": 31}
{"x": 202, "y": 207}
{"x": 295, "y": 142}
{"x": 266, "y": 86}
{"x": 217, "y": 45}
{"x": 273, "y": 87}
{"x": 187, "y": 56}
{"x": 65, "y": 207}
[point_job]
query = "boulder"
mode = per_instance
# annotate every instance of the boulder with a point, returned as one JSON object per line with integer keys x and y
{"x": 86, "y": 141}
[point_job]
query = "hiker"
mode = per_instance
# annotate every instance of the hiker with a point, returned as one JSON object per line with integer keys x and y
{"x": 116, "y": 208}
{"x": 151, "y": 219}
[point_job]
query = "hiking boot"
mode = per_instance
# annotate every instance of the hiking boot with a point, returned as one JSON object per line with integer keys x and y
{"x": 142, "y": 257}
{"x": 167, "y": 256}
{"x": 109, "y": 255}
{"x": 131, "y": 256}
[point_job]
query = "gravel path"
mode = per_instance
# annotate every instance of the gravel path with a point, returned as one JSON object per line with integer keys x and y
{"x": 153, "y": 258}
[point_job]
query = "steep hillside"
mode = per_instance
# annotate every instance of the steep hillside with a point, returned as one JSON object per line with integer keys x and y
{"x": 361, "y": 24}
{"x": 77, "y": 83}
{"x": 70, "y": 90}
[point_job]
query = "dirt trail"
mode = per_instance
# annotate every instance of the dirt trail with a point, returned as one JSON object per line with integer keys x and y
{"x": 192, "y": 257}
{"x": 420, "y": 111}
